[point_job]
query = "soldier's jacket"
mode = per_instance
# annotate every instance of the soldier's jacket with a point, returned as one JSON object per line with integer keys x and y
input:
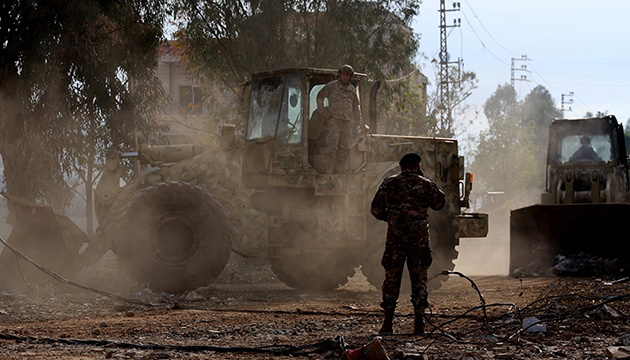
{"x": 343, "y": 103}
{"x": 403, "y": 200}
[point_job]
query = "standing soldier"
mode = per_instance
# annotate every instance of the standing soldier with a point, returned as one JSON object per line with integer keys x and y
{"x": 343, "y": 106}
{"x": 403, "y": 201}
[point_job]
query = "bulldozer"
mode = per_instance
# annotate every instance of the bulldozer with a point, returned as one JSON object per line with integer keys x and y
{"x": 319, "y": 224}
{"x": 175, "y": 227}
{"x": 586, "y": 197}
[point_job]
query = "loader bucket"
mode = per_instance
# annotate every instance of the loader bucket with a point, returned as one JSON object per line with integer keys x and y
{"x": 53, "y": 241}
{"x": 540, "y": 232}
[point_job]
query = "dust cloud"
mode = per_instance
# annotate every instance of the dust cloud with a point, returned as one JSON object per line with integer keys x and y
{"x": 489, "y": 255}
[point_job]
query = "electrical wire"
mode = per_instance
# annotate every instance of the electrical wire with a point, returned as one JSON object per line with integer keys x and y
{"x": 558, "y": 90}
{"x": 481, "y": 41}
{"x": 59, "y": 278}
{"x": 539, "y": 308}
{"x": 486, "y": 30}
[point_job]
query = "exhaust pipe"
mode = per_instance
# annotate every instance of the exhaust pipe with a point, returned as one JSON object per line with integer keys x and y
{"x": 373, "y": 112}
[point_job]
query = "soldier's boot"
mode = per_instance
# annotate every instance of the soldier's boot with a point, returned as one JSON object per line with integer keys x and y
{"x": 418, "y": 325}
{"x": 388, "y": 322}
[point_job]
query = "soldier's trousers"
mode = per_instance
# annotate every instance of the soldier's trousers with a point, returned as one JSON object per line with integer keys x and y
{"x": 417, "y": 255}
{"x": 338, "y": 140}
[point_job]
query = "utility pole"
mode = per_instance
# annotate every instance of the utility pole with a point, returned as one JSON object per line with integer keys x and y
{"x": 444, "y": 107}
{"x": 522, "y": 68}
{"x": 568, "y": 101}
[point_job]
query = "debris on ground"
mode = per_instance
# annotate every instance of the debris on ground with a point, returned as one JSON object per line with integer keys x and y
{"x": 579, "y": 264}
{"x": 584, "y": 319}
{"x": 533, "y": 325}
{"x": 582, "y": 264}
{"x": 619, "y": 352}
{"x": 374, "y": 350}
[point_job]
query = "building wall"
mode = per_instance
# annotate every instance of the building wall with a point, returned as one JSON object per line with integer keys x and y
{"x": 184, "y": 110}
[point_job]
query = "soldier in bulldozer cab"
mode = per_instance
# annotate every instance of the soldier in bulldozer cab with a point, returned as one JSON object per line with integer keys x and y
{"x": 343, "y": 107}
{"x": 585, "y": 152}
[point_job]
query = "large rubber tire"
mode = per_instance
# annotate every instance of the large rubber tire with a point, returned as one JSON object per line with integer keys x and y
{"x": 319, "y": 271}
{"x": 443, "y": 243}
{"x": 175, "y": 236}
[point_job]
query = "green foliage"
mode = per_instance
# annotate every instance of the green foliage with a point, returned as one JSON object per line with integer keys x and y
{"x": 502, "y": 104}
{"x": 402, "y": 109}
{"x": 227, "y": 40}
{"x": 230, "y": 39}
{"x": 597, "y": 114}
{"x": 76, "y": 77}
{"x": 507, "y": 157}
{"x": 538, "y": 111}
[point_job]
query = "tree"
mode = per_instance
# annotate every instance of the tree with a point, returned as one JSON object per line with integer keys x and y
{"x": 402, "y": 111}
{"x": 76, "y": 77}
{"x": 231, "y": 39}
{"x": 596, "y": 115}
{"x": 504, "y": 158}
{"x": 538, "y": 111}
{"x": 227, "y": 40}
{"x": 501, "y": 104}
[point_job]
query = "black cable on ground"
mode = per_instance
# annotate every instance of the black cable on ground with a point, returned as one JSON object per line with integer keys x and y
{"x": 59, "y": 278}
{"x": 17, "y": 264}
{"x": 337, "y": 344}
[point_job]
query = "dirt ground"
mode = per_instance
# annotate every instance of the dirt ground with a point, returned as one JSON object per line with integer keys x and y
{"x": 257, "y": 317}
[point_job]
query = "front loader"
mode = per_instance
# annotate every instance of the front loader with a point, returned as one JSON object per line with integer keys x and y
{"x": 586, "y": 199}
{"x": 172, "y": 228}
{"x": 320, "y": 226}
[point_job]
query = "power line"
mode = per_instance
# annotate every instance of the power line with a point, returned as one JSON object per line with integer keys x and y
{"x": 587, "y": 75}
{"x": 582, "y": 62}
{"x": 583, "y": 103}
{"x": 540, "y": 79}
{"x": 481, "y": 41}
{"x": 514, "y": 69}
{"x": 568, "y": 101}
{"x": 556, "y": 89}
{"x": 543, "y": 79}
{"x": 539, "y": 106}
{"x": 486, "y": 30}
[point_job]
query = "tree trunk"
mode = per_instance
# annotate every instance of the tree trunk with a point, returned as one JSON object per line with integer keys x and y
{"x": 16, "y": 144}
{"x": 89, "y": 199}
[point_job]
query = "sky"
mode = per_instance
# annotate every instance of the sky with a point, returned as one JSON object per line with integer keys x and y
{"x": 578, "y": 47}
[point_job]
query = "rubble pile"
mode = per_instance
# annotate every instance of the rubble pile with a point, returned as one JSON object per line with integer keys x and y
{"x": 579, "y": 264}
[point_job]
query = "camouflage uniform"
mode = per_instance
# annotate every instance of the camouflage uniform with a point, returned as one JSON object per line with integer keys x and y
{"x": 343, "y": 106}
{"x": 403, "y": 200}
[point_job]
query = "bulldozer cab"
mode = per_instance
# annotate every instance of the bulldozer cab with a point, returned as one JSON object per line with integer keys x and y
{"x": 584, "y": 140}
{"x": 584, "y": 158}
{"x": 282, "y": 105}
